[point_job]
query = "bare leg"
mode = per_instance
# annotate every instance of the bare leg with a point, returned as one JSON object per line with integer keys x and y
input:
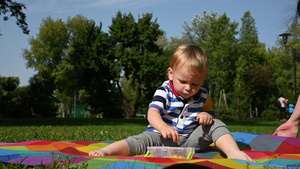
{"x": 227, "y": 144}
{"x": 117, "y": 148}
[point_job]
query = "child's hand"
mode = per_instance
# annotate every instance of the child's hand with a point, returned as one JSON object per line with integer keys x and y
{"x": 204, "y": 118}
{"x": 169, "y": 132}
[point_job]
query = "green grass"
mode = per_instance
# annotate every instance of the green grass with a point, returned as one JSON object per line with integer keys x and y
{"x": 254, "y": 126}
{"x": 15, "y": 130}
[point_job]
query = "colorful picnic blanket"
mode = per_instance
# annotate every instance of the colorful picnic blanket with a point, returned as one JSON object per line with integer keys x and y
{"x": 268, "y": 152}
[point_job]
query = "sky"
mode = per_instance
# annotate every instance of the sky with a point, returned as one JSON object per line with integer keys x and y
{"x": 271, "y": 17}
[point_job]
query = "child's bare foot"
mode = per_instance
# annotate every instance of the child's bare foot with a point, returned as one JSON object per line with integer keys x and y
{"x": 97, "y": 153}
{"x": 240, "y": 155}
{"x": 119, "y": 148}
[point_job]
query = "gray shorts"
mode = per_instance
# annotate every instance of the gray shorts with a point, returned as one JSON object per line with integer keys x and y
{"x": 200, "y": 138}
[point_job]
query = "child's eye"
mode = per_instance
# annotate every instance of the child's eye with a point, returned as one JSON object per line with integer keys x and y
{"x": 183, "y": 82}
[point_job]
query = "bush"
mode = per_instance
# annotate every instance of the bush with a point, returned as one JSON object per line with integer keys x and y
{"x": 270, "y": 114}
{"x": 230, "y": 114}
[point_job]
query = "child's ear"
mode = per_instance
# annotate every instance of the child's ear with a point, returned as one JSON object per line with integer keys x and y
{"x": 170, "y": 73}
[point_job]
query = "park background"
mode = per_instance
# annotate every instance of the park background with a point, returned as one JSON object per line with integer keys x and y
{"x": 85, "y": 70}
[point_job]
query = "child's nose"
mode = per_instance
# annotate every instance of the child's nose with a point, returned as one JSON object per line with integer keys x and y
{"x": 188, "y": 87}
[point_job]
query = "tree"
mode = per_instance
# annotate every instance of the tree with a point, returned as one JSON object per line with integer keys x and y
{"x": 251, "y": 58}
{"x": 69, "y": 72}
{"x": 41, "y": 101}
{"x": 195, "y": 32}
{"x": 169, "y": 46}
{"x": 74, "y": 56}
{"x": 137, "y": 56}
{"x": 237, "y": 66}
{"x": 47, "y": 54}
{"x": 284, "y": 61}
{"x": 90, "y": 56}
{"x": 221, "y": 49}
{"x": 216, "y": 34}
{"x": 8, "y": 100}
{"x": 16, "y": 10}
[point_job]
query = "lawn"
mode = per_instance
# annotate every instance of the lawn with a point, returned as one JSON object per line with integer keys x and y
{"x": 16, "y": 130}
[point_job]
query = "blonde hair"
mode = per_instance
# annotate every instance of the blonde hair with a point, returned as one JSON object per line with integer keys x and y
{"x": 191, "y": 56}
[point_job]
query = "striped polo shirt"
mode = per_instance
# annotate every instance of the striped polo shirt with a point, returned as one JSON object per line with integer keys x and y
{"x": 178, "y": 112}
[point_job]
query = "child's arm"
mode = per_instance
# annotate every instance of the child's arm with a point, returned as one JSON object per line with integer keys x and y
{"x": 227, "y": 144}
{"x": 165, "y": 130}
{"x": 204, "y": 118}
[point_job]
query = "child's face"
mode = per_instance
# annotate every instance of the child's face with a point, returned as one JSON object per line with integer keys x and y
{"x": 185, "y": 83}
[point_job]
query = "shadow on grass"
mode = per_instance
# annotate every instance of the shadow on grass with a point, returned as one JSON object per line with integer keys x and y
{"x": 69, "y": 121}
{"x": 253, "y": 123}
{"x": 99, "y": 121}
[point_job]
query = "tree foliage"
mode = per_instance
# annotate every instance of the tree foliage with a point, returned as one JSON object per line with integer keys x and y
{"x": 284, "y": 61}
{"x": 115, "y": 74}
{"x": 222, "y": 55}
{"x": 8, "y": 86}
{"x": 15, "y": 9}
{"x": 196, "y": 32}
{"x": 249, "y": 82}
{"x": 70, "y": 54}
{"x": 41, "y": 101}
{"x": 137, "y": 56}
{"x": 240, "y": 79}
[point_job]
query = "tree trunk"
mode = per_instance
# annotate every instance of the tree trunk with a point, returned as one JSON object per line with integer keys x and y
{"x": 220, "y": 99}
{"x": 136, "y": 104}
{"x": 251, "y": 116}
{"x": 222, "y": 93}
{"x": 225, "y": 99}
{"x": 129, "y": 110}
{"x": 239, "y": 99}
{"x": 63, "y": 108}
{"x": 256, "y": 112}
{"x": 69, "y": 111}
